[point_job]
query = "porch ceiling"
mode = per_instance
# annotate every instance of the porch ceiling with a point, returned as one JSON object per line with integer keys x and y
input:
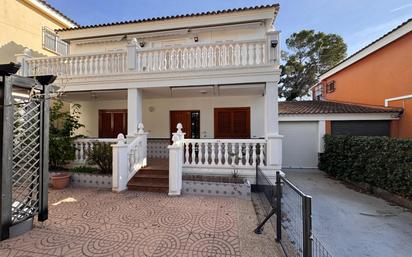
{"x": 166, "y": 92}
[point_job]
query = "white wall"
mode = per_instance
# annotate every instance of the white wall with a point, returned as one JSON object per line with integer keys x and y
{"x": 232, "y": 34}
{"x": 90, "y": 114}
{"x": 157, "y": 123}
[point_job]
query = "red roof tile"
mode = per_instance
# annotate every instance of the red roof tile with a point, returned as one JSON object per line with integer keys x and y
{"x": 175, "y": 17}
{"x": 331, "y": 107}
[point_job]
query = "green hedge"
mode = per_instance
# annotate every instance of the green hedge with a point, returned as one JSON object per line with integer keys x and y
{"x": 379, "y": 161}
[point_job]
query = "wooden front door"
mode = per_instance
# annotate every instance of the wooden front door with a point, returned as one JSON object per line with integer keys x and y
{"x": 190, "y": 121}
{"x": 112, "y": 122}
{"x": 232, "y": 122}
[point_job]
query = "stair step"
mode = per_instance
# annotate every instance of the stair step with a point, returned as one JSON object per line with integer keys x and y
{"x": 148, "y": 187}
{"x": 153, "y": 180}
{"x": 152, "y": 175}
{"x": 152, "y": 172}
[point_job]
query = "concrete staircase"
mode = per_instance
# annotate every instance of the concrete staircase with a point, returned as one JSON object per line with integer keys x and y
{"x": 153, "y": 178}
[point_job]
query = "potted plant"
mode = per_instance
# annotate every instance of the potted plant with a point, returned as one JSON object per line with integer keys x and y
{"x": 63, "y": 125}
{"x": 60, "y": 180}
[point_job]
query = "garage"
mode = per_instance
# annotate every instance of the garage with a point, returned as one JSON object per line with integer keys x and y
{"x": 304, "y": 123}
{"x": 300, "y": 143}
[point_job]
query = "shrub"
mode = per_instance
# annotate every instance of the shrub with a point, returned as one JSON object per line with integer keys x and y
{"x": 84, "y": 169}
{"x": 379, "y": 161}
{"x": 63, "y": 125}
{"x": 101, "y": 155}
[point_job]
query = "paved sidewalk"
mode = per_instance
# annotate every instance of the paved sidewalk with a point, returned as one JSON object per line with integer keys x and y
{"x": 352, "y": 224}
{"x": 92, "y": 222}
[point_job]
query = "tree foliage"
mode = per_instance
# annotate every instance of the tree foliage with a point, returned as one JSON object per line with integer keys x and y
{"x": 311, "y": 54}
{"x": 63, "y": 125}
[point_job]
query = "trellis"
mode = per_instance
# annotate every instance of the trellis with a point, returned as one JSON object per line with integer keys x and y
{"x": 24, "y": 132}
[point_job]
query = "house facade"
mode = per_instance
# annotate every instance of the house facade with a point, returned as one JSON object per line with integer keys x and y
{"x": 30, "y": 24}
{"x": 209, "y": 77}
{"x": 379, "y": 74}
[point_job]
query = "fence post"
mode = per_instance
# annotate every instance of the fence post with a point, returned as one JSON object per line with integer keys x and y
{"x": 307, "y": 226}
{"x": 278, "y": 208}
{"x": 120, "y": 165}
{"x": 176, "y": 162}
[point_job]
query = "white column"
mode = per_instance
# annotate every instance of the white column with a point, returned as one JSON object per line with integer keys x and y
{"x": 132, "y": 54}
{"x": 176, "y": 162}
{"x": 134, "y": 110}
{"x": 120, "y": 165}
{"x": 321, "y": 134}
{"x": 274, "y": 140}
{"x": 21, "y": 59}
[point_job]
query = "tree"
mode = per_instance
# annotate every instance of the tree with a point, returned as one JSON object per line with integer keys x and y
{"x": 63, "y": 125}
{"x": 312, "y": 54}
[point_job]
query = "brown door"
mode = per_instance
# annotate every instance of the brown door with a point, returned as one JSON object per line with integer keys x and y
{"x": 190, "y": 121}
{"x": 112, "y": 122}
{"x": 232, "y": 122}
{"x": 183, "y": 117}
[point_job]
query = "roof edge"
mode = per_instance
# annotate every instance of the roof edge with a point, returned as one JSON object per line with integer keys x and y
{"x": 179, "y": 16}
{"x": 52, "y": 12}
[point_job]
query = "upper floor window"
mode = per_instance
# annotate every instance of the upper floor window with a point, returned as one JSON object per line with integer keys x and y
{"x": 53, "y": 43}
{"x": 330, "y": 87}
{"x": 318, "y": 94}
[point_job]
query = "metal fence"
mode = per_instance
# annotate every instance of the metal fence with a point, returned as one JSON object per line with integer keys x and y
{"x": 289, "y": 210}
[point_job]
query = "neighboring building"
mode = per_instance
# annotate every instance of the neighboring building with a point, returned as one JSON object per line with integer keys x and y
{"x": 303, "y": 125}
{"x": 216, "y": 73}
{"x": 379, "y": 74}
{"x": 31, "y": 24}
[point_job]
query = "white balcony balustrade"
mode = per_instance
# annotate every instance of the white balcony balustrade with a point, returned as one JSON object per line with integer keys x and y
{"x": 151, "y": 60}
{"x": 84, "y": 145}
{"x": 77, "y": 65}
{"x": 224, "y": 152}
{"x": 202, "y": 56}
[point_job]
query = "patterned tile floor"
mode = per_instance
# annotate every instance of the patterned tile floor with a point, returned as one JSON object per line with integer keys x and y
{"x": 92, "y": 222}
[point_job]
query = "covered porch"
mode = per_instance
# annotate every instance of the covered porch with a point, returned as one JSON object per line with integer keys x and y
{"x": 226, "y": 129}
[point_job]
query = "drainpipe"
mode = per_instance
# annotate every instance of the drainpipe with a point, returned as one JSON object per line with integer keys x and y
{"x": 396, "y": 99}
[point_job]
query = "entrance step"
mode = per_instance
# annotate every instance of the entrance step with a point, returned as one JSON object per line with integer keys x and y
{"x": 153, "y": 178}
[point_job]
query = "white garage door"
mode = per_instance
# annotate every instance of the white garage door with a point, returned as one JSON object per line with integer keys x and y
{"x": 300, "y": 143}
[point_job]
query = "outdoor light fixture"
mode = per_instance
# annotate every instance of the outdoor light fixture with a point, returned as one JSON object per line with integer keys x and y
{"x": 141, "y": 44}
{"x": 196, "y": 39}
{"x": 273, "y": 43}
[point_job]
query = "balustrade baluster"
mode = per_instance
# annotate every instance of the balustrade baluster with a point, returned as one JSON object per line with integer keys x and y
{"x": 193, "y": 153}
{"x": 219, "y": 153}
{"x": 247, "y": 156}
{"x": 251, "y": 53}
{"x": 261, "y": 155}
{"x": 226, "y": 154}
{"x": 213, "y": 154}
{"x": 206, "y": 145}
{"x": 254, "y": 154}
{"x": 200, "y": 153}
{"x": 186, "y": 148}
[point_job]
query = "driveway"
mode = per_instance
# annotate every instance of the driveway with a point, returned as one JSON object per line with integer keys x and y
{"x": 92, "y": 222}
{"x": 352, "y": 224}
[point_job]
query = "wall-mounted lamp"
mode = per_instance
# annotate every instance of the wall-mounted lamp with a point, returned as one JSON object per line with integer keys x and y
{"x": 141, "y": 44}
{"x": 196, "y": 39}
{"x": 273, "y": 43}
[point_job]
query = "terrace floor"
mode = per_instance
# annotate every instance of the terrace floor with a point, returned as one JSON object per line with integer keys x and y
{"x": 92, "y": 222}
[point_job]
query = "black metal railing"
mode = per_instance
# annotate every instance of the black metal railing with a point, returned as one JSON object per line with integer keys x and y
{"x": 289, "y": 210}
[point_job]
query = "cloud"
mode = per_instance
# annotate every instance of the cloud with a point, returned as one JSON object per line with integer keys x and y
{"x": 365, "y": 36}
{"x": 405, "y": 6}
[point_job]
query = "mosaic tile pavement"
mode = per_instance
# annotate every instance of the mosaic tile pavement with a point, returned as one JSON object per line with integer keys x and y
{"x": 93, "y": 222}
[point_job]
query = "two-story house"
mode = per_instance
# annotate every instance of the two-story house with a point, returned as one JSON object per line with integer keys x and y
{"x": 215, "y": 73}
{"x": 379, "y": 74}
{"x": 30, "y": 24}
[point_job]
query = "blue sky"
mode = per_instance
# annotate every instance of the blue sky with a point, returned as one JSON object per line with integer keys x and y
{"x": 358, "y": 21}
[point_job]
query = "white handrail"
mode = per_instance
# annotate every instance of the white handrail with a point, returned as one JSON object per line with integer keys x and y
{"x": 224, "y": 152}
